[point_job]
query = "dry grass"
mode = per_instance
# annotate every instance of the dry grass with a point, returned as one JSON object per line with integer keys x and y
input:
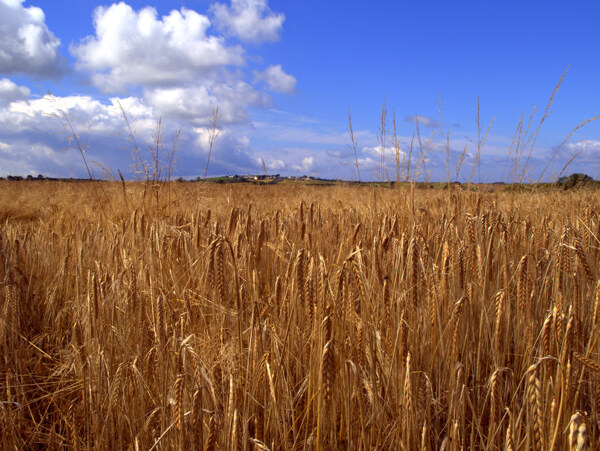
{"x": 298, "y": 318}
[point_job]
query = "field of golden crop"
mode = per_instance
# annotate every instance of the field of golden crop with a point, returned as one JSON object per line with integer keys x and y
{"x": 197, "y": 316}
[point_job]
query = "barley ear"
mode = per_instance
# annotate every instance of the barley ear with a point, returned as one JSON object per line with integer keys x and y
{"x": 179, "y": 403}
{"x": 211, "y": 441}
{"x": 198, "y": 436}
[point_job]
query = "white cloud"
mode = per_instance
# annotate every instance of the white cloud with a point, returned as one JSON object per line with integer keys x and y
{"x": 276, "y": 164}
{"x": 249, "y": 20}
{"x": 31, "y": 132}
{"x": 32, "y": 141}
{"x": 584, "y": 151}
{"x": 85, "y": 112}
{"x": 368, "y": 162}
{"x": 276, "y": 79}
{"x": 24, "y": 158}
{"x": 234, "y": 96}
{"x": 230, "y": 154}
{"x": 424, "y": 121}
{"x": 181, "y": 102}
{"x": 171, "y": 66}
{"x": 184, "y": 73}
{"x": 203, "y": 137}
{"x": 28, "y": 46}
{"x": 390, "y": 152}
{"x": 272, "y": 164}
{"x": 138, "y": 48}
{"x": 308, "y": 163}
{"x": 10, "y": 92}
{"x": 197, "y": 103}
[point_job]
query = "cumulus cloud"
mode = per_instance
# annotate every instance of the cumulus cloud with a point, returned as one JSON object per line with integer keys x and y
{"x": 197, "y": 103}
{"x": 308, "y": 163}
{"x": 584, "y": 151}
{"x": 273, "y": 164}
{"x": 425, "y": 121}
{"x": 276, "y": 79}
{"x": 137, "y": 48}
{"x": 182, "y": 102}
{"x": 184, "y": 72}
{"x": 389, "y": 154}
{"x": 95, "y": 117}
{"x": 276, "y": 164}
{"x": 25, "y": 158}
{"x": 28, "y": 46}
{"x": 234, "y": 96}
{"x": 368, "y": 162}
{"x": 33, "y": 142}
{"x": 231, "y": 154}
{"x": 248, "y": 20}
{"x": 10, "y": 92}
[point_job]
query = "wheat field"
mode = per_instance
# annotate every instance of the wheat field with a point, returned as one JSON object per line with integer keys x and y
{"x": 196, "y": 316}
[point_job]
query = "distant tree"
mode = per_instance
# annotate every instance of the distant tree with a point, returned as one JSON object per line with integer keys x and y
{"x": 573, "y": 180}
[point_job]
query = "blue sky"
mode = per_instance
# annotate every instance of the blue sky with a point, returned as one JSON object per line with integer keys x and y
{"x": 284, "y": 75}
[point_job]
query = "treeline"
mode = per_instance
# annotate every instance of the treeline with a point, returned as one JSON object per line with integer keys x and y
{"x": 566, "y": 182}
